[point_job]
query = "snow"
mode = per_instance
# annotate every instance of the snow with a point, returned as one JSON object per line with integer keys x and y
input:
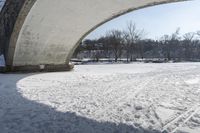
{"x": 2, "y": 61}
{"x": 119, "y": 98}
{"x": 164, "y": 113}
{"x": 193, "y": 81}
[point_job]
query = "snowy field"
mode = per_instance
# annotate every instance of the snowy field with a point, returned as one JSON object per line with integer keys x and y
{"x": 120, "y": 98}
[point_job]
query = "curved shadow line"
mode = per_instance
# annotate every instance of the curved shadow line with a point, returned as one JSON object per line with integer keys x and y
{"x": 20, "y": 115}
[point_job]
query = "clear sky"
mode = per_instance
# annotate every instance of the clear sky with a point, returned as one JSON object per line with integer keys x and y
{"x": 158, "y": 20}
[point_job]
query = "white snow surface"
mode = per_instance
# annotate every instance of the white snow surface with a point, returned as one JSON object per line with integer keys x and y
{"x": 193, "y": 81}
{"x": 119, "y": 98}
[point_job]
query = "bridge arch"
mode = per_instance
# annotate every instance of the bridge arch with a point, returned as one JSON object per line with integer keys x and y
{"x": 43, "y": 34}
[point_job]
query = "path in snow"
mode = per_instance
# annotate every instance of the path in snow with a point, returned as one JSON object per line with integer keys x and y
{"x": 121, "y": 98}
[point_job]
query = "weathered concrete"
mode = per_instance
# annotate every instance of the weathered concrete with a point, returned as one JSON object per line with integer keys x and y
{"x": 46, "y": 32}
{"x": 8, "y": 17}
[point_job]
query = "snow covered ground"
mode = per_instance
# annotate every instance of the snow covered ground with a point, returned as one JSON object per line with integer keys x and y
{"x": 120, "y": 98}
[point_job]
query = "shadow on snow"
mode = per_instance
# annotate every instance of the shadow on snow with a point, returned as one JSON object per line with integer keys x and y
{"x": 20, "y": 115}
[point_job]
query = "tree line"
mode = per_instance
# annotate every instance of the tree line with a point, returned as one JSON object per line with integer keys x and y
{"x": 130, "y": 44}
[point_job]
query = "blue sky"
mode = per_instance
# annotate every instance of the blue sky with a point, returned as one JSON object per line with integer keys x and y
{"x": 158, "y": 20}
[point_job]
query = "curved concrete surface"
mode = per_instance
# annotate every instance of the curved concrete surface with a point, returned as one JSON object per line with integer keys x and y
{"x": 46, "y": 32}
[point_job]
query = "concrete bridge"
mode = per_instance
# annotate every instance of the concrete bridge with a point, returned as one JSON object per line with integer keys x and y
{"x": 43, "y": 34}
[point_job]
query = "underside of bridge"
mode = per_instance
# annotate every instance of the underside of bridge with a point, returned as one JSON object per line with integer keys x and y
{"x": 43, "y": 34}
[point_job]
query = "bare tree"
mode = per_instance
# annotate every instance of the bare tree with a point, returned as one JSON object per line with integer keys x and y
{"x": 170, "y": 43}
{"x": 134, "y": 36}
{"x": 131, "y": 44}
{"x": 165, "y": 42}
{"x": 188, "y": 37}
{"x": 198, "y": 33}
{"x": 127, "y": 45}
{"x": 115, "y": 41}
{"x": 174, "y": 43}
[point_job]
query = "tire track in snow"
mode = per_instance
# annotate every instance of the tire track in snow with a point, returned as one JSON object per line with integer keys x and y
{"x": 144, "y": 84}
{"x": 133, "y": 94}
{"x": 127, "y": 96}
{"x": 176, "y": 123}
{"x": 187, "y": 119}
